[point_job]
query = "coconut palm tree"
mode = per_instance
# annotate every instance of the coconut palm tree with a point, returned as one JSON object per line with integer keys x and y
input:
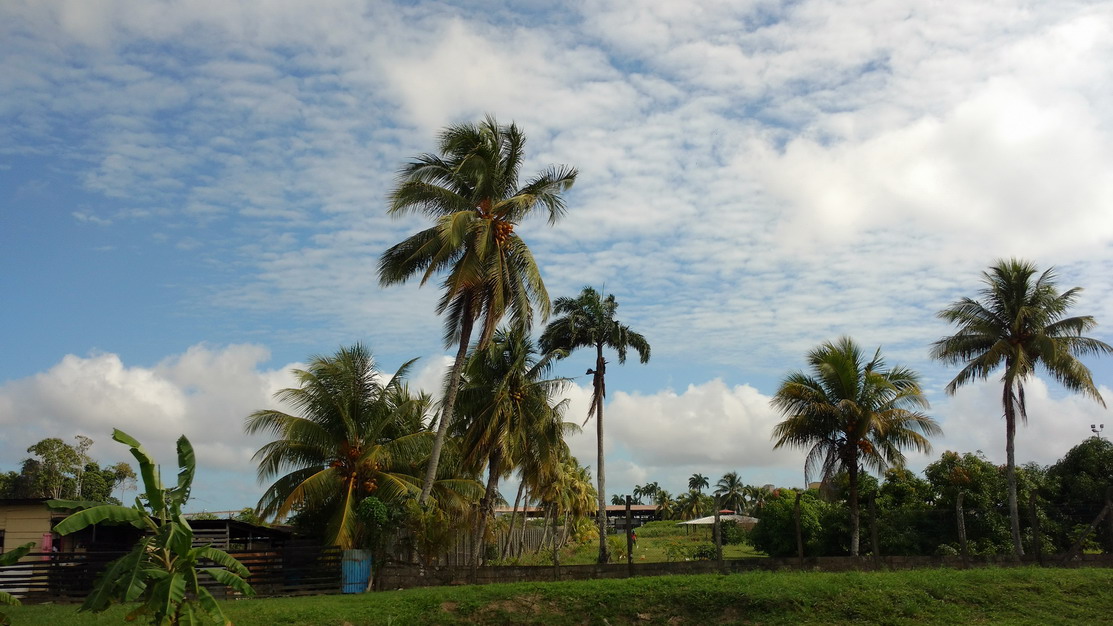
{"x": 471, "y": 191}
{"x": 649, "y": 490}
{"x": 692, "y": 505}
{"x": 354, "y": 438}
{"x": 588, "y": 321}
{"x": 1019, "y": 322}
{"x": 757, "y": 496}
{"x": 666, "y": 506}
{"x": 731, "y": 492}
{"x": 852, "y": 413}
{"x": 698, "y": 482}
{"x": 505, "y": 406}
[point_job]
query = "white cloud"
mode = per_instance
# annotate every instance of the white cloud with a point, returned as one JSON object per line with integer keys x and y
{"x": 1057, "y": 421}
{"x": 204, "y": 394}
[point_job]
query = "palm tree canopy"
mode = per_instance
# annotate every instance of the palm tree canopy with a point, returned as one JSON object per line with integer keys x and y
{"x": 1020, "y": 322}
{"x": 731, "y": 492}
{"x": 698, "y": 482}
{"x": 849, "y": 408}
{"x": 355, "y": 437}
{"x": 472, "y": 192}
{"x": 588, "y": 321}
{"x": 507, "y": 401}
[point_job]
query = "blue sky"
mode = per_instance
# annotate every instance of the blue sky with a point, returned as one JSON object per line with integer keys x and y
{"x": 192, "y": 203}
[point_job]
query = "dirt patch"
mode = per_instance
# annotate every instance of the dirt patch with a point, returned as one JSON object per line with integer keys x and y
{"x": 529, "y": 605}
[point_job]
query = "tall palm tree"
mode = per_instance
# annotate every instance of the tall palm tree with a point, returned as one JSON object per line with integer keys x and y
{"x": 731, "y": 492}
{"x": 691, "y": 505}
{"x": 757, "y": 496}
{"x": 588, "y": 321}
{"x": 505, "y": 406}
{"x": 852, "y": 413}
{"x": 666, "y": 506}
{"x": 1019, "y": 322}
{"x": 698, "y": 482}
{"x": 471, "y": 191}
{"x": 355, "y": 438}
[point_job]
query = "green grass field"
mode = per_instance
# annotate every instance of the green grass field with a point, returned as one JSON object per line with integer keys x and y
{"x": 981, "y": 596}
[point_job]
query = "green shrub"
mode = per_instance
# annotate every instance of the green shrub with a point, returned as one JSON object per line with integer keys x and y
{"x": 733, "y": 533}
{"x": 705, "y": 552}
{"x": 616, "y": 545}
{"x": 678, "y": 550}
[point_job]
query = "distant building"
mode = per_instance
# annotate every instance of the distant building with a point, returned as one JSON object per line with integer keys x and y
{"x": 616, "y": 514}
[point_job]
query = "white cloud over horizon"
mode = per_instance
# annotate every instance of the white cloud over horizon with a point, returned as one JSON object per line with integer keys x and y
{"x": 710, "y": 428}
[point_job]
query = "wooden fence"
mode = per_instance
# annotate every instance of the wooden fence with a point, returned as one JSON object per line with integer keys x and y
{"x": 70, "y": 576}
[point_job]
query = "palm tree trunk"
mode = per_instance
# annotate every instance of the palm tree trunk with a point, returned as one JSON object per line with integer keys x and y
{"x": 513, "y": 519}
{"x": 1010, "y": 470}
{"x": 598, "y": 381}
{"x": 544, "y": 531}
{"x": 448, "y": 406}
{"x": 852, "y": 476}
{"x": 487, "y": 504}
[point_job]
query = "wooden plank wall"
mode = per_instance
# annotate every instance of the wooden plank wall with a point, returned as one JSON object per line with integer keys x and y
{"x": 69, "y": 576}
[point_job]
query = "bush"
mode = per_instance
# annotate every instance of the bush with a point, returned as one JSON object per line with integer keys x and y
{"x": 679, "y": 550}
{"x": 705, "y": 552}
{"x": 616, "y": 546}
{"x": 775, "y": 533}
{"x": 733, "y": 533}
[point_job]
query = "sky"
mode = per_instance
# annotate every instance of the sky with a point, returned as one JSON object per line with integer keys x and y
{"x": 192, "y": 203}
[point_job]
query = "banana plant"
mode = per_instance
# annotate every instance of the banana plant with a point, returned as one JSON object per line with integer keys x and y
{"x": 162, "y": 572}
{"x": 9, "y": 558}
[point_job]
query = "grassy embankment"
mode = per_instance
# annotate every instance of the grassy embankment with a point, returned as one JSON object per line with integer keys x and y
{"x": 986, "y": 596}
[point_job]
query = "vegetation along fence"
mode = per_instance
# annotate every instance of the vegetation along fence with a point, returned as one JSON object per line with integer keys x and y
{"x": 70, "y": 576}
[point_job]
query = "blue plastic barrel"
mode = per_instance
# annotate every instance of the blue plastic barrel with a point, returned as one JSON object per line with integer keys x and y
{"x": 355, "y": 570}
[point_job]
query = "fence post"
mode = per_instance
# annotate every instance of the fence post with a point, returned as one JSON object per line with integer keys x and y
{"x": 718, "y": 537}
{"x": 629, "y": 539}
{"x": 960, "y": 519}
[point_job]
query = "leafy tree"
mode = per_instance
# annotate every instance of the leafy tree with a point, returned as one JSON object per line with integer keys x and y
{"x": 54, "y": 469}
{"x": 471, "y": 190}
{"x": 161, "y": 572}
{"x": 775, "y": 532}
{"x": 1077, "y": 487}
{"x": 984, "y": 491}
{"x": 731, "y": 492}
{"x": 1019, "y": 323}
{"x": 354, "y": 439}
{"x": 60, "y": 470}
{"x": 588, "y": 321}
{"x": 852, "y": 413}
{"x": 9, "y": 485}
{"x": 908, "y": 522}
